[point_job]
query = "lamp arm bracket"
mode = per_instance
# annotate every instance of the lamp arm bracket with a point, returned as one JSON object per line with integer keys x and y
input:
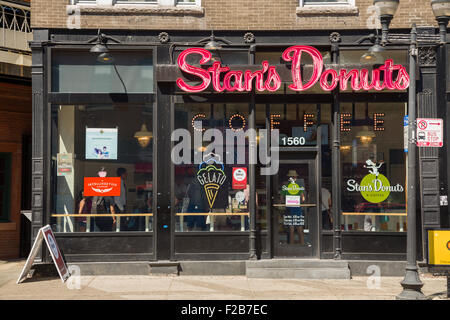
{"x": 112, "y": 39}
{"x": 205, "y": 40}
{"x": 93, "y": 39}
{"x": 370, "y": 37}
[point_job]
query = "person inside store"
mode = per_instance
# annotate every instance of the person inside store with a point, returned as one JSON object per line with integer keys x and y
{"x": 196, "y": 204}
{"x": 84, "y": 207}
{"x": 297, "y": 213}
{"x": 120, "y": 202}
{"x": 103, "y": 205}
{"x": 247, "y": 203}
{"x": 327, "y": 219}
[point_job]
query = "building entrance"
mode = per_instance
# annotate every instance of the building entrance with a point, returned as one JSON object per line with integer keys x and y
{"x": 295, "y": 209}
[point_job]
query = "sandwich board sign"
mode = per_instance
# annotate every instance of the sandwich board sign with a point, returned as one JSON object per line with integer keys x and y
{"x": 430, "y": 132}
{"x": 45, "y": 233}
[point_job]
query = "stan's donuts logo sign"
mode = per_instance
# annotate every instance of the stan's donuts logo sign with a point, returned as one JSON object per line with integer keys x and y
{"x": 374, "y": 187}
{"x": 98, "y": 186}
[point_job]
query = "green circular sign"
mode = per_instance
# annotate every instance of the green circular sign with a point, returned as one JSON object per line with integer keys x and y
{"x": 375, "y": 189}
{"x": 293, "y": 188}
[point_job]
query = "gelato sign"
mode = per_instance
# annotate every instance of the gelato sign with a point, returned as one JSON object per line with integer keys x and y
{"x": 374, "y": 187}
{"x": 211, "y": 176}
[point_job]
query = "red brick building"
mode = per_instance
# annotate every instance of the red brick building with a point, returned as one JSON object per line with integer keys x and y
{"x": 15, "y": 124}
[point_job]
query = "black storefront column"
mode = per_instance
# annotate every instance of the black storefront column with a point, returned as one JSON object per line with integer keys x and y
{"x": 39, "y": 137}
{"x": 446, "y": 106}
{"x": 252, "y": 166}
{"x": 335, "y": 156}
{"x": 428, "y": 157}
{"x": 162, "y": 122}
{"x": 442, "y": 113}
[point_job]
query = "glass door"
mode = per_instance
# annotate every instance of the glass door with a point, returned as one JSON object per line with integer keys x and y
{"x": 295, "y": 209}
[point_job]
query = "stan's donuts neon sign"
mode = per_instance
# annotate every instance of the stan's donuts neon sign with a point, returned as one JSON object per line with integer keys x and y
{"x": 267, "y": 78}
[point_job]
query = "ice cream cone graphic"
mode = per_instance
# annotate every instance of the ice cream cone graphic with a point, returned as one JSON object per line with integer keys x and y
{"x": 211, "y": 190}
{"x": 211, "y": 176}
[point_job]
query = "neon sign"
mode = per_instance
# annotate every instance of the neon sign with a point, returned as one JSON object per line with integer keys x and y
{"x": 267, "y": 78}
{"x": 211, "y": 175}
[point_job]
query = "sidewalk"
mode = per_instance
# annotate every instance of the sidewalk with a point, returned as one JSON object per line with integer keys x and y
{"x": 203, "y": 287}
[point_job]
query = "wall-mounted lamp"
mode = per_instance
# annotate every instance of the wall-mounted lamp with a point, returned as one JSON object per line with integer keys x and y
{"x": 214, "y": 45}
{"x": 373, "y": 54}
{"x": 211, "y": 43}
{"x": 143, "y": 136}
{"x": 441, "y": 11}
{"x": 100, "y": 47}
{"x": 386, "y": 9}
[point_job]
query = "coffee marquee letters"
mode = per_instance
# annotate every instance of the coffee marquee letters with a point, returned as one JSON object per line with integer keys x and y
{"x": 267, "y": 78}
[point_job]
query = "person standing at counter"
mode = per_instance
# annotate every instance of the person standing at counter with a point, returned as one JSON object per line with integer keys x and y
{"x": 296, "y": 213}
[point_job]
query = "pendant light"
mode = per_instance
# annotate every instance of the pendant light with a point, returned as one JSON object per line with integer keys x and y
{"x": 365, "y": 135}
{"x": 143, "y": 136}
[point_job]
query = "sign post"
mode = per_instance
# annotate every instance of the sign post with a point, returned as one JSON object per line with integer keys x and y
{"x": 405, "y": 133}
{"x": 46, "y": 233}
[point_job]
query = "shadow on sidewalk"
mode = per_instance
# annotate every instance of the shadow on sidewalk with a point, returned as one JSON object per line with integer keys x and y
{"x": 441, "y": 295}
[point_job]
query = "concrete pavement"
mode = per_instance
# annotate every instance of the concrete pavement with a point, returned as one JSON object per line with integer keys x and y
{"x": 204, "y": 287}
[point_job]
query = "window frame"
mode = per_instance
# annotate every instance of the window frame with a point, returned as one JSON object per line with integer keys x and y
{"x": 197, "y": 3}
{"x": 303, "y": 3}
{"x": 156, "y": 3}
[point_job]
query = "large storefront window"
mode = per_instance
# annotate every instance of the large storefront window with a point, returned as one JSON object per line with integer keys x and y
{"x": 102, "y": 171}
{"x": 298, "y": 123}
{"x": 120, "y": 72}
{"x": 207, "y": 196}
{"x": 373, "y": 167}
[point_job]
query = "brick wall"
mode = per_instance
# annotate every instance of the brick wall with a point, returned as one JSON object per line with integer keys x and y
{"x": 15, "y": 121}
{"x": 229, "y": 15}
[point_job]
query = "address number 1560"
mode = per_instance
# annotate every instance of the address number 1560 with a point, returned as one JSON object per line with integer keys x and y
{"x": 293, "y": 141}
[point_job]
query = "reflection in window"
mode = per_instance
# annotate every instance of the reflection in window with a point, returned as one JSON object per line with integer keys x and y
{"x": 80, "y": 71}
{"x": 101, "y": 172}
{"x": 373, "y": 167}
{"x": 297, "y": 124}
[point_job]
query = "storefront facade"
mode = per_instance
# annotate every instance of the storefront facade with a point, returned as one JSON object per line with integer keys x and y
{"x": 337, "y": 191}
